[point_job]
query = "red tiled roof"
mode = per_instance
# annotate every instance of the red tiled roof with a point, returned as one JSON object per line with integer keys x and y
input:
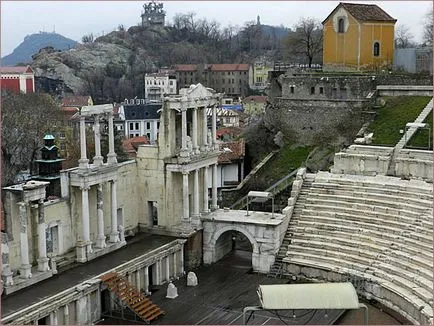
{"x": 237, "y": 151}
{"x": 130, "y": 145}
{"x": 364, "y": 12}
{"x": 230, "y": 67}
{"x": 255, "y": 98}
{"x": 76, "y": 100}
{"x": 215, "y": 67}
{"x": 185, "y": 67}
{"x": 234, "y": 131}
{"x": 16, "y": 70}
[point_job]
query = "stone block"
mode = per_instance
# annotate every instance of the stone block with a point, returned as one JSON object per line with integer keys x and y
{"x": 172, "y": 291}
{"x": 191, "y": 279}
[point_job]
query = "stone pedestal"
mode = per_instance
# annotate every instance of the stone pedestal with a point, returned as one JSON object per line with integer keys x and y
{"x": 172, "y": 291}
{"x": 82, "y": 249}
{"x": 191, "y": 279}
{"x": 43, "y": 264}
{"x": 25, "y": 271}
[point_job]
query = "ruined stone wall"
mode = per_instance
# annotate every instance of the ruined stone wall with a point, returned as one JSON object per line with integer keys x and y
{"x": 310, "y": 122}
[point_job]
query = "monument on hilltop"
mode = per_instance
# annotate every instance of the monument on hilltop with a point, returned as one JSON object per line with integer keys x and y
{"x": 153, "y": 14}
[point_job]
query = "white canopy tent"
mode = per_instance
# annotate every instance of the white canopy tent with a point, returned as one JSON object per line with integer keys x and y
{"x": 307, "y": 296}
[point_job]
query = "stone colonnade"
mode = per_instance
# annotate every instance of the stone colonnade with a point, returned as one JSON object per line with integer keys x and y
{"x": 77, "y": 311}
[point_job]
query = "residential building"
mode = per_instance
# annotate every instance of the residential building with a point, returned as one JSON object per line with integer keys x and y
{"x": 17, "y": 79}
{"x": 157, "y": 85}
{"x": 141, "y": 118}
{"x": 254, "y": 105}
{"x": 131, "y": 145}
{"x": 260, "y": 70}
{"x": 358, "y": 36}
{"x": 231, "y": 79}
{"x": 225, "y": 118}
{"x": 230, "y": 169}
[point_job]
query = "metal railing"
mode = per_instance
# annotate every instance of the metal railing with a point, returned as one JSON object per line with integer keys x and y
{"x": 275, "y": 189}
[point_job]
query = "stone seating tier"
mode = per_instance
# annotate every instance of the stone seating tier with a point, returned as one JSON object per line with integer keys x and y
{"x": 368, "y": 256}
{"x": 354, "y": 225}
{"x": 369, "y": 242}
{"x": 396, "y": 204}
{"x": 354, "y": 265}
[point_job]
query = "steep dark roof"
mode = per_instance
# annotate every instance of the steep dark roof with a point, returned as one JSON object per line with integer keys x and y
{"x": 142, "y": 111}
{"x": 364, "y": 12}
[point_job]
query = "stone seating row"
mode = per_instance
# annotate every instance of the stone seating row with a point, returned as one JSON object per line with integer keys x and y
{"x": 315, "y": 202}
{"x": 395, "y": 204}
{"x": 375, "y": 190}
{"x": 371, "y": 252}
{"x": 360, "y": 192}
{"x": 360, "y": 226}
{"x": 365, "y": 267}
{"x": 330, "y": 226}
{"x": 382, "y": 182}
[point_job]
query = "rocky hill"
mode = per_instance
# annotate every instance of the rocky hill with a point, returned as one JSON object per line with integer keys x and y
{"x": 33, "y": 43}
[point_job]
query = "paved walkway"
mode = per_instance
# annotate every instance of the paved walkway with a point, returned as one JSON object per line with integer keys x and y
{"x": 76, "y": 275}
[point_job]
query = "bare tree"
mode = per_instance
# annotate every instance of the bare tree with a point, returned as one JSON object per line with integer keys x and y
{"x": 427, "y": 28}
{"x": 306, "y": 39}
{"x": 403, "y": 37}
{"x": 25, "y": 120}
{"x": 89, "y": 38}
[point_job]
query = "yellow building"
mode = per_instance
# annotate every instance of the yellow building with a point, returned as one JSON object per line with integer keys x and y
{"x": 358, "y": 37}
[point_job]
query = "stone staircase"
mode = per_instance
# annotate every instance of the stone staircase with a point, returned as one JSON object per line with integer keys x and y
{"x": 131, "y": 297}
{"x": 277, "y": 269}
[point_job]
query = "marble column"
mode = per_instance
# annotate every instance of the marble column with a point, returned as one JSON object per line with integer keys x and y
{"x": 182, "y": 260}
{"x": 205, "y": 190}
{"x": 167, "y": 269}
{"x": 213, "y": 146}
{"x": 85, "y": 218}
{"x": 98, "y": 159}
{"x": 114, "y": 236}
{"x": 146, "y": 287}
{"x": 158, "y": 272}
{"x": 53, "y": 318}
{"x": 138, "y": 279}
{"x": 25, "y": 269}
{"x": 184, "y": 149}
{"x": 196, "y": 213}
{"x": 204, "y": 131}
{"x": 214, "y": 188}
{"x": 83, "y": 162}
{"x": 100, "y": 238}
{"x": 185, "y": 198}
{"x": 66, "y": 314}
{"x": 111, "y": 156}
{"x": 6, "y": 273}
{"x": 175, "y": 265}
{"x": 195, "y": 133}
{"x": 42, "y": 241}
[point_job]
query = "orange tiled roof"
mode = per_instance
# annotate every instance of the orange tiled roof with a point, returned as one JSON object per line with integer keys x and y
{"x": 234, "y": 131}
{"x": 76, "y": 100}
{"x": 230, "y": 67}
{"x": 237, "y": 151}
{"x": 130, "y": 145}
{"x": 255, "y": 98}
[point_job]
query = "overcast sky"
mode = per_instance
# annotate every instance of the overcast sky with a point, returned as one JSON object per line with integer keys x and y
{"x": 74, "y": 19}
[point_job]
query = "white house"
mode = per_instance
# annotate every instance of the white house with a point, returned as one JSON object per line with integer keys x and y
{"x": 159, "y": 84}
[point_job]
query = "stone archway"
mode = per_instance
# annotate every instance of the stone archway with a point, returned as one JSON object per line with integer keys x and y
{"x": 211, "y": 254}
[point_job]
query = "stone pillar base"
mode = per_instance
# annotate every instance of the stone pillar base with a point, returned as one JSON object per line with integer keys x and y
{"x": 213, "y": 208}
{"x": 100, "y": 242}
{"x": 83, "y": 163}
{"x": 111, "y": 158}
{"x": 43, "y": 264}
{"x": 82, "y": 249}
{"x": 205, "y": 212}
{"x": 114, "y": 237}
{"x": 26, "y": 271}
{"x": 98, "y": 160}
{"x": 7, "y": 278}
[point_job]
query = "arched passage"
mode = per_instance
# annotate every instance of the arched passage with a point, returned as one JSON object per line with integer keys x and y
{"x": 231, "y": 241}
